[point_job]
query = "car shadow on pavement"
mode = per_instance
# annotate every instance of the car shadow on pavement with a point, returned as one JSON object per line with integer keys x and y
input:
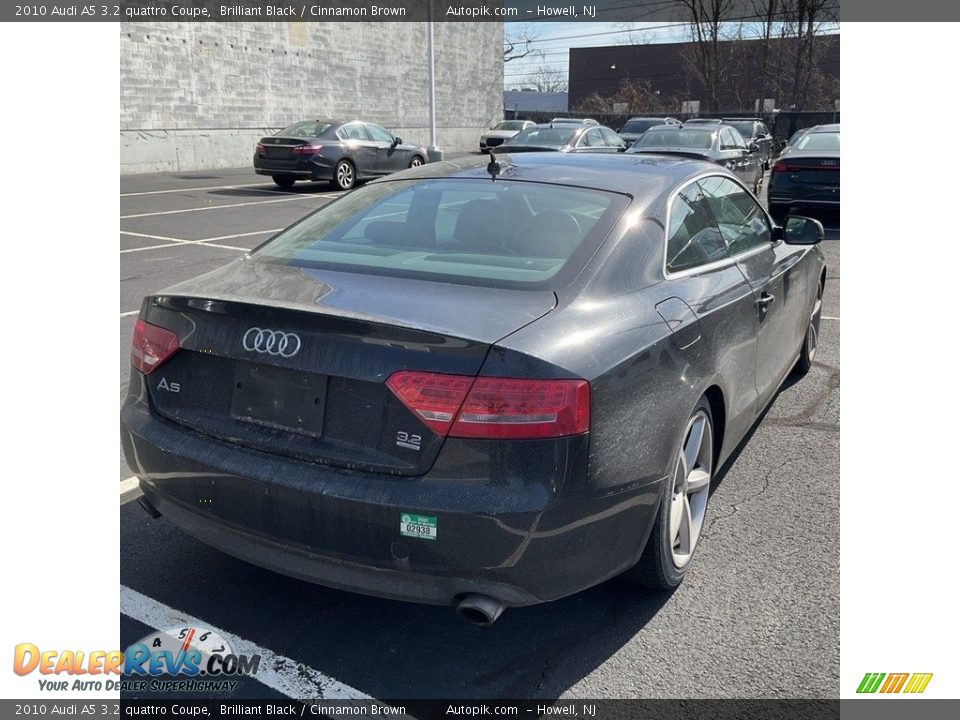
{"x": 388, "y": 649}
{"x": 271, "y": 190}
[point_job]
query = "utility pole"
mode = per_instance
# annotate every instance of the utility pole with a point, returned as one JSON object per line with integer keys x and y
{"x": 433, "y": 152}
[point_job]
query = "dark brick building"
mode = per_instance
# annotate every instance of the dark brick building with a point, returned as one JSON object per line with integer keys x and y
{"x": 668, "y": 69}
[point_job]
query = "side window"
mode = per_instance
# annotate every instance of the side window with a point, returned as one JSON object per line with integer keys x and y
{"x": 742, "y": 222}
{"x": 692, "y": 237}
{"x": 353, "y": 131}
{"x": 594, "y": 139}
{"x": 613, "y": 140}
{"x": 762, "y": 129}
{"x": 379, "y": 134}
{"x": 726, "y": 140}
{"x": 738, "y": 140}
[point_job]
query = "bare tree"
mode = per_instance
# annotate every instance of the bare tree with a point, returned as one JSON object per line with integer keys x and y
{"x": 519, "y": 40}
{"x": 704, "y": 59}
{"x": 547, "y": 79}
{"x": 641, "y": 99}
{"x": 805, "y": 22}
{"x": 767, "y": 12}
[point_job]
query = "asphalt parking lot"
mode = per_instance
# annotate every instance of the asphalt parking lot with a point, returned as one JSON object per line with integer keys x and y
{"x": 757, "y": 616}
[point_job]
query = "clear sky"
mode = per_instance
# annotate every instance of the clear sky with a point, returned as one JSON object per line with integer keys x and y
{"x": 554, "y": 40}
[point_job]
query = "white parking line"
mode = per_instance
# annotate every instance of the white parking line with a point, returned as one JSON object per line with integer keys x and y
{"x": 293, "y": 679}
{"x": 827, "y": 317}
{"x": 129, "y": 484}
{"x": 173, "y": 242}
{"x": 192, "y": 189}
{"x": 128, "y": 313}
{"x": 225, "y": 207}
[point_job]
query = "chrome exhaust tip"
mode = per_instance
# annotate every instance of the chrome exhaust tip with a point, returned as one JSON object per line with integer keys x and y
{"x": 479, "y": 609}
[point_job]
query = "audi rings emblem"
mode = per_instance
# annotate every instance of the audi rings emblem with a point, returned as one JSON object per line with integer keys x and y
{"x": 271, "y": 342}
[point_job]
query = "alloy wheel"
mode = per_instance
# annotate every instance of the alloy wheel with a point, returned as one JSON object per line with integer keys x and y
{"x": 416, "y": 162}
{"x": 691, "y": 488}
{"x": 345, "y": 175}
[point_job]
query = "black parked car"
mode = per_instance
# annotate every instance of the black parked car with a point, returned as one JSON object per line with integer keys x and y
{"x": 716, "y": 142}
{"x": 807, "y": 173}
{"x": 337, "y": 150}
{"x": 564, "y": 137}
{"x": 481, "y": 394}
{"x": 635, "y": 127}
{"x": 754, "y": 130}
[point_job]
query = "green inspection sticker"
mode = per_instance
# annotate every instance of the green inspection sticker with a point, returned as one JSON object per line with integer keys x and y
{"x": 418, "y": 526}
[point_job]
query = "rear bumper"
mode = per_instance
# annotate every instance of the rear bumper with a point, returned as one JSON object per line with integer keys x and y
{"x": 310, "y": 169}
{"x": 522, "y": 545}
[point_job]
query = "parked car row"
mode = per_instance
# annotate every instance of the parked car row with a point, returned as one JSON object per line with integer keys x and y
{"x": 344, "y": 152}
{"x": 715, "y": 141}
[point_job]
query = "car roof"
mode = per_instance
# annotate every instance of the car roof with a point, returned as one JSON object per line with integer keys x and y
{"x": 321, "y": 121}
{"x": 831, "y": 128}
{"x": 616, "y": 172}
{"x": 741, "y": 120}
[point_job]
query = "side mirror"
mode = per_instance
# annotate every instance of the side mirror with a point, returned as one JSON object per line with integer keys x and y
{"x": 754, "y": 147}
{"x": 782, "y": 145}
{"x": 799, "y": 230}
{"x": 397, "y": 141}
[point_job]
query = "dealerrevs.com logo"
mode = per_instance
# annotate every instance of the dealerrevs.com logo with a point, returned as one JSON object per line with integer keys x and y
{"x": 198, "y": 658}
{"x": 910, "y": 683}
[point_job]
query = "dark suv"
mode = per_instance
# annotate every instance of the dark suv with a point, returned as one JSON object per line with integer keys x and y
{"x": 754, "y": 130}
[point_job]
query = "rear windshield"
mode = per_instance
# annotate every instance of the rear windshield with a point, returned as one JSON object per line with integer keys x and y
{"x": 744, "y": 128}
{"x": 687, "y": 137}
{"x": 510, "y": 125}
{"x": 306, "y": 129}
{"x": 819, "y": 141}
{"x": 639, "y": 126}
{"x": 546, "y": 137}
{"x": 502, "y": 234}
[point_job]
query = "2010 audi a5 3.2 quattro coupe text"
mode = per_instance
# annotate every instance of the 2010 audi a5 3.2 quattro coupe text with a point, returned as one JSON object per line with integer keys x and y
{"x": 484, "y": 385}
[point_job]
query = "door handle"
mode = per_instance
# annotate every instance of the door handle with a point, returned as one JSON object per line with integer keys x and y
{"x": 765, "y": 300}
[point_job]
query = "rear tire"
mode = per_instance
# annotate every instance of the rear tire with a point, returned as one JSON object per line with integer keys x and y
{"x": 683, "y": 507}
{"x": 416, "y": 161}
{"x": 284, "y": 181}
{"x": 811, "y": 340}
{"x": 344, "y": 175}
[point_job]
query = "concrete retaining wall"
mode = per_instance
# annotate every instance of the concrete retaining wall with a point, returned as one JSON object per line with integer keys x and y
{"x": 196, "y": 96}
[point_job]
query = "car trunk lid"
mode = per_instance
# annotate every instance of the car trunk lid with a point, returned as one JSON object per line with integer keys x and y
{"x": 294, "y": 361}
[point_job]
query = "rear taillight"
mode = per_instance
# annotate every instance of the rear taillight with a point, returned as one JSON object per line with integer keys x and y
{"x": 152, "y": 346}
{"x": 260, "y": 149}
{"x": 307, "y": 149}
{"x": 781, "y": 166}
{"x": 500, "y": 408}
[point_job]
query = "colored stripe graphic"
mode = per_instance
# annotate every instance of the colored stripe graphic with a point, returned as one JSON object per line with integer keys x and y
{"x": 870, "y": 682}
{"x": 894, "y": 682}
{"x": 918, "y": 682}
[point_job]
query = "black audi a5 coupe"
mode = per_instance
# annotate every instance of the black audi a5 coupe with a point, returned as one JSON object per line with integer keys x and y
{"x": 342, "y": 152}
{"x": 713, "y": 141}
{"x": 477, "y": 384}
{"x": 807, "y": 173}
{"x": 566, "y": 138}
